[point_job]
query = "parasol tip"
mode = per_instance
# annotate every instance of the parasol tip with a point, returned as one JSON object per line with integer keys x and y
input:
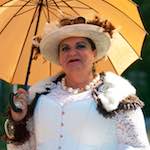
{"x": 140, "y": 58}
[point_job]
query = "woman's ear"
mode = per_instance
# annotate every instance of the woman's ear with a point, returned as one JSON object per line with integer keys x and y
{"x": 94, "y": 52}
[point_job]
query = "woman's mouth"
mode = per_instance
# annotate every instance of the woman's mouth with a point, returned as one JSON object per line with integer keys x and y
{"x": 74, "y": 60}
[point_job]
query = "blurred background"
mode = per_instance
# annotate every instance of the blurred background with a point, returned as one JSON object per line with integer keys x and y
{"x": 138, "y": 74}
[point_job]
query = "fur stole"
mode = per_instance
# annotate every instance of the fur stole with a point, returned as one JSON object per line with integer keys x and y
{"x": 114, "y": 94}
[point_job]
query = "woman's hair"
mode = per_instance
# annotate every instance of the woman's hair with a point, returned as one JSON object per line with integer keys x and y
{"x": 93, "y": 46}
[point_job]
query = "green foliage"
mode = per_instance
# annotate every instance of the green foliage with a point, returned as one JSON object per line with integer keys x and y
{"x": 5, "y": 90}
{"x": 2, "y": 146}
{"x": 145, "y": 13}
{"x": 139, "y": 72}
{"x": 139, "y": 75}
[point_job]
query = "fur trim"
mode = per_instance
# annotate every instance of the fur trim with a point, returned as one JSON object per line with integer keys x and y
{"x": 114, "y": 90}
{"x": 21, "y": 133}
{"x": 111, "y": 93}
{"x": 131, "y": 102}
{"x": 42, "y": 86}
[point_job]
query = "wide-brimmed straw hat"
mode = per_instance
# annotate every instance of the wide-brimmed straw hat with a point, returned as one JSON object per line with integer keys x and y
{"x": 55, "y": 34}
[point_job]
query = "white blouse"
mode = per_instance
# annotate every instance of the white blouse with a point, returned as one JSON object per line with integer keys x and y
{"x": 67, "y": 121}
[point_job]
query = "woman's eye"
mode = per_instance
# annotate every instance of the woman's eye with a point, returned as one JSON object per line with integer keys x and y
{"x": 81, "y": 46}
{"x": 64, "y": 49}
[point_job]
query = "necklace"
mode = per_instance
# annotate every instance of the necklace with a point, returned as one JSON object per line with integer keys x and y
{"x": 91, "y": 85}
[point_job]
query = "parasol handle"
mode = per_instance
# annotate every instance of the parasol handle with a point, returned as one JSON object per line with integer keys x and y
{"x": 11, "y": 101}
{"x": 12, "y": 104}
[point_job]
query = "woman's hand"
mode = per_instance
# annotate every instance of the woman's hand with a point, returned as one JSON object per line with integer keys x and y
{"x": 20, "y": 100}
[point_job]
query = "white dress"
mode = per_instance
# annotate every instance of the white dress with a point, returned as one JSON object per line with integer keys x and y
{"x": 67, "y": 121}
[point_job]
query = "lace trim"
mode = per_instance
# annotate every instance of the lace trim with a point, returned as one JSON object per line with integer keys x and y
{"x": 130, "y": 130}
{"x": 131, "y": 102}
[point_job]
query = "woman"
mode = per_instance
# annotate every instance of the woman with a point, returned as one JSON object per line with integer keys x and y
{"x": 78, "y": 109}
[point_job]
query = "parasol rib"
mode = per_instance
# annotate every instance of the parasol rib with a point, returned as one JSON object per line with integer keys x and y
{"x": 25, "y": 41}
{"x": 130, "y": 45}
{"x": 110, "y": 63}
{"x": 45, "y": 15}
{"x": 59, "y": 9}
{"x": 108, "y": 4}
{"x": 6, "y": 3}
{"x": 54, "y": 14}
{"x": 55, "y": 4}
{"x": 48, "y": 16}
{"x": 133, "y": 3}
{"x": 70, "y": 7}
{"x": 124, "y": 14}
{"x": 87, "y": 6}
{"x": 16, "y": 6}
{"x": 59, "y": 12}
{"x": 32, "y": 50}
{"x": 109, "y": 60}
{"x": 26, "y": 1}
{"x": 26, "y": 11}
{"x": 13, "y": 17}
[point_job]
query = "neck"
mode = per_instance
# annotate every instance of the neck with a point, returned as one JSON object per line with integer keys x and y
{"x": 78, "y": 80}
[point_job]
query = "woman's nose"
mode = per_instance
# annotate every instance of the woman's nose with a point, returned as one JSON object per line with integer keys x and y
{"x": 72, "y": 51}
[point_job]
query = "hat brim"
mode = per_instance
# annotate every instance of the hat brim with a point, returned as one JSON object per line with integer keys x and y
{"x": 50, "y": 42}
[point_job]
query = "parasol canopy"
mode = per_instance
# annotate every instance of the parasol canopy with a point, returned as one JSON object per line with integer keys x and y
{"x": 20, "y": 20}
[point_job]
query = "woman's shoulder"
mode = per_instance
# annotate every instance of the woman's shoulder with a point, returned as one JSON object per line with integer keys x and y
{"x": 115, "y": 80}
{"x": 116, "y": 86}
{"x": 117, "y": 94}
{"x": 42, "y": 86}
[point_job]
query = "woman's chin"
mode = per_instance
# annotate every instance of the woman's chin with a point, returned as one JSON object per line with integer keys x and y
{"x": 74, "y": 67}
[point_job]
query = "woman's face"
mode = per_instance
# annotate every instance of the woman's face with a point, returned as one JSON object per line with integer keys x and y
{"x": 76, "y": 54}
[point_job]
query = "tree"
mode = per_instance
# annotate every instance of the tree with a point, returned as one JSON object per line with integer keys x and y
{"x": 139, "y": 72}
